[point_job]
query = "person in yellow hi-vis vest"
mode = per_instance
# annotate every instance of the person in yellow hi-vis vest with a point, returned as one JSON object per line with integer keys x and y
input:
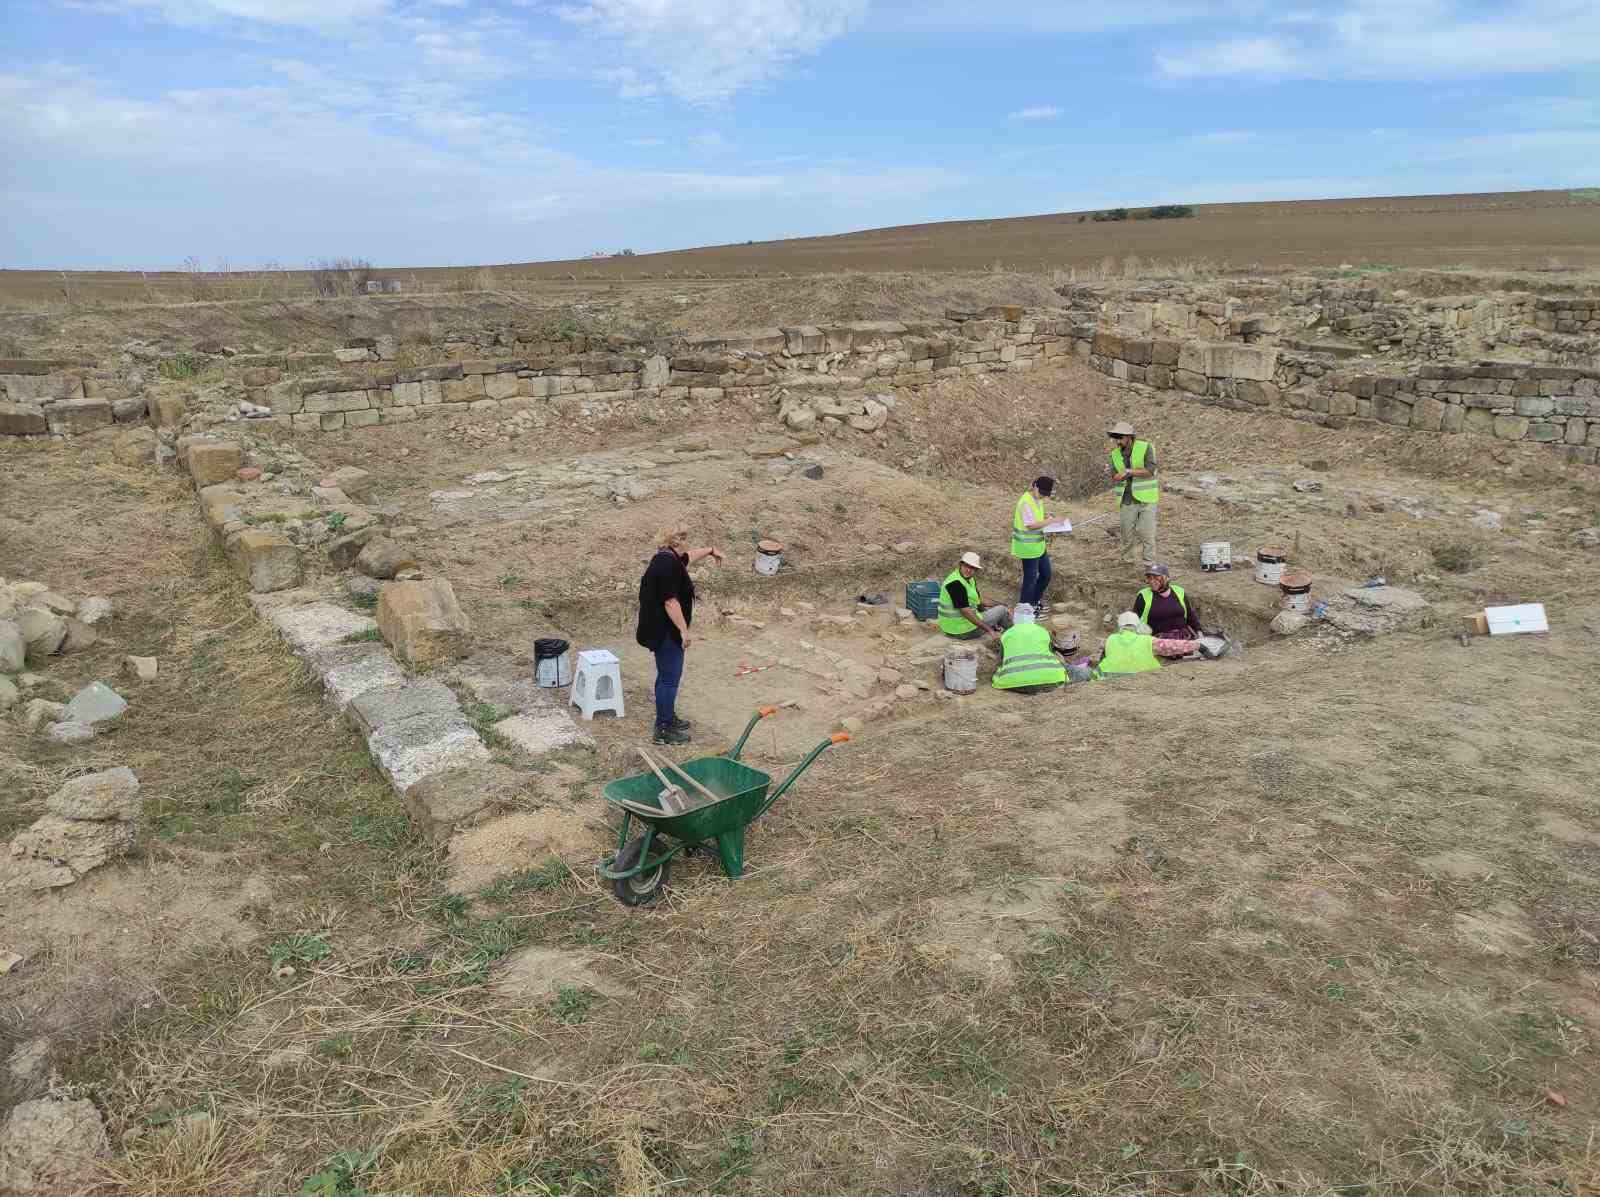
{"x": 1133, "y": 472}
{"x": 1027, "y": 663}
{"x": 1128, "y": 649}
{"x": 1029, "y": 544}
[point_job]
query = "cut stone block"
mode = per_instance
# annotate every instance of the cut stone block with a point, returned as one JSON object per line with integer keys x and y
{"x": 42, "y": 631}
{"x": 422, "y": 621}
{"x": 266, "y": 560}
{"x": 167, "y": 411}
{"x": 459, "y": 797}
{"x": 212, "y": 462}
{"x": 316, "y": 626}
{"x": 351, "y": 670}
{"x": 388, "y": 705}
{"x": 143, "y": 669}
{"x": 75, "y": 416}
{"x": 22, "y": 419}
{"x": 413, "y": 749}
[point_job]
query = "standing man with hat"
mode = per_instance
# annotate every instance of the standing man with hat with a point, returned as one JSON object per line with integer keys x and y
{"x": 961, "y": 613}
{"x": 1029, "y": 545}
{"x": 1133, "y": 469}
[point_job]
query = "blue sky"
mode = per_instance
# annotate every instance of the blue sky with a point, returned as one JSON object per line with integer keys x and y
{"x": 136, "y": 133}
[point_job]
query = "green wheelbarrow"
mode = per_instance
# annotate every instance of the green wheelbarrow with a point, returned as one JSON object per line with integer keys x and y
{"x": 638, "y": 870}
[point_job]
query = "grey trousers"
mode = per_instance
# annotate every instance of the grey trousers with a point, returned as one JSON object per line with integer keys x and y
{"x": 1138, "y": 529}
{"x": 993, "y": 617}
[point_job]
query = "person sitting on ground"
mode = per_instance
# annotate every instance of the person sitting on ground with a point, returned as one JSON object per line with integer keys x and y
{"x": 1027, "y": 665}
{"x": 1128, "y": 650}
{"x": 961, "y": 612}
{"x": 1165, "y": 607}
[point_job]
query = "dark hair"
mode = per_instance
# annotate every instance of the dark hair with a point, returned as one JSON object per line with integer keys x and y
{"x": 1046, "y": 485}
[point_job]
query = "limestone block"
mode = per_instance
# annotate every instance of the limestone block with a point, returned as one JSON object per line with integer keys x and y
{"x": 422, "y": 621}
{"x": 1164, "y": 352}
{"x": 1478, "y": 421}
{"x": 135, "y": 447}
{"x": 43, "y": 632}
{"x": 349, "y": 357}
{"x": 50, "y": 1147}
{"x": 1342, "y": 403}
{"x": 312, "y": 627}
{"x": 1511, "y": 428}
{"x": 1136, "y": 352}
{"x": 129, "y": 411}
{"x": 381, "y": 557}
{"x": 111, "y": 794}
{"x": 1190, "y": 381}
{"x": 1194, "y": 357}
{"x": 76, "y": 416}
{"x": 1256, "y": 363}
{"x": 329, "y": 421}
{"x": 408, "y": 751}
{"x": 1393, "y": 410}
{"x": 1544, "y": 432}
{"x": 1262, "y": 394}
{"x": 167, "y": 411}
{"x": 22, "y": 419}
{"x": 384, "y": 706}
{"x": 213, "y": 462}
{"x": 499, "y": 386}
{"x": 219, "y": 505}
{"x": 1427, "y": 414}
{"x": 461, "y": 796}
{"x": 463, "y": 390}
{"x": 1159, "y": 376}
{"x": 1535, "y": 406}
{"x": 95, "y": 704}
{"x": 266, "y": 560}
{"x": 361, "y": 419}
{"x": 338, "y": 401}
{"x": 408, "y": 394}
{"x": 1575, "y": 432}
{"x": 1454, "y": 416}
{"x": 143, "y": 669}
{"x": 348, "y": 671}
{"x": 13, "y": 647}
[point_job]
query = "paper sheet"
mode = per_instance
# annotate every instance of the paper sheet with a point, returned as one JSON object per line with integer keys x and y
{"x": 1061, "y": 525}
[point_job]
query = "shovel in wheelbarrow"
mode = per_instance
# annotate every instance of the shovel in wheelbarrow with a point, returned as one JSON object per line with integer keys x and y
{"x": 639, "y": 868}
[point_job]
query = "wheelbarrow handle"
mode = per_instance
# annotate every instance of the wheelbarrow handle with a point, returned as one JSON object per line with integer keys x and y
{"x": 733, "y": 753}
{"x": 836, "y": 738}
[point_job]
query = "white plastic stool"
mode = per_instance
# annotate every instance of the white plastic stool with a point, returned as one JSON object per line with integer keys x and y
{"x": 597, "y": 682}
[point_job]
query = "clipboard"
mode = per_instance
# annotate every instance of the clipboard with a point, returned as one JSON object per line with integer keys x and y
{"x": 1060, "y": 525}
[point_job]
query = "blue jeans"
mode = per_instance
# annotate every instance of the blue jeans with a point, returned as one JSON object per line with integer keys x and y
{"x": 1036, "y": 574}
{"x": 669, "y": 672}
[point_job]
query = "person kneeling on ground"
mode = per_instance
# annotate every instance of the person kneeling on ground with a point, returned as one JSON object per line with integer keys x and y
{"x": 961, "y": 613}
{"x": 1128, "y": 650}
{"x": 666, "y": 609}
{"x": 1027, "y": 664}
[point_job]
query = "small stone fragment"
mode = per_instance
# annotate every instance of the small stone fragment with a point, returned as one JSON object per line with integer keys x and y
{"x": 143, "y": 669}
{"x": 95, "y": 704}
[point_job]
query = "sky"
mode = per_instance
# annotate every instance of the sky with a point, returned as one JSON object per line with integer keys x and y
{"x": 136, "y": 134}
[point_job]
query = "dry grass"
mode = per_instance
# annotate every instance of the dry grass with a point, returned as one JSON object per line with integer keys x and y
{"x": 1223, "y": 939}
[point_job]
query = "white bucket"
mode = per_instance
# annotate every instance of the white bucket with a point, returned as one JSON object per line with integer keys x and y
{"x": 554, "y": 671}
{"x": 961, "y": 670}
{"x": 1216, "y": 555}
{"x": 1296, "y": 587}
{"x": 769, "y": 556}
{"x": 1271, "y": 561}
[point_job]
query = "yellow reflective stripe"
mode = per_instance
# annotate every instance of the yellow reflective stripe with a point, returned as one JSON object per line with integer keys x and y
{"x": 1027, "y": 662}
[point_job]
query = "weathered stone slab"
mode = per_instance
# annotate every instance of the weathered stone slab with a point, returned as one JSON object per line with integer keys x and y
{"x": 462, "y": 796}
{"x": 316, "y": 626}
{"x": 22, "y": 419}
{"x": 349, "y": 670}
{"x": 423, "y": 698}
{"x": 95, "y": 704}
{"x": 72, "y": 417}
{"x": 410, "y": 750}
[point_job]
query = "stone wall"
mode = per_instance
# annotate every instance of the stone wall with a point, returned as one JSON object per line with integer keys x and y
{"x": 1516, "y": 401}
{"x": 593, "y": 370}
{"x": 65, "y": 398}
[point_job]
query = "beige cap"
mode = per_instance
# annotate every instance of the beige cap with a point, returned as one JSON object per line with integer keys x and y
{"x": 972, "y": 559}
{"x": 1127, "y": 620}
{"x": 1120, "y": 428}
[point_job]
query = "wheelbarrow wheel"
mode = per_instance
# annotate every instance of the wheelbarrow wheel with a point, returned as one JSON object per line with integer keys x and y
{"x": 641, "y": 887}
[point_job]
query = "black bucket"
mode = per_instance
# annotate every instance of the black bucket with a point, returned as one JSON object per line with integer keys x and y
{"x": 552, "y": 662}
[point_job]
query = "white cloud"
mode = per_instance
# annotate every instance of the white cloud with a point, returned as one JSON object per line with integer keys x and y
{"x": 711, "y": 144}
{"x": 1025, "y": 152}
{"x": 322, "y": 16}
{"x": 1406, "y": 40}
{"x": 1042, "y": 112}
{"x": 706, "y": 51}
{"x": 1224, "y": 138}
{"x": 1266, "y": 56}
